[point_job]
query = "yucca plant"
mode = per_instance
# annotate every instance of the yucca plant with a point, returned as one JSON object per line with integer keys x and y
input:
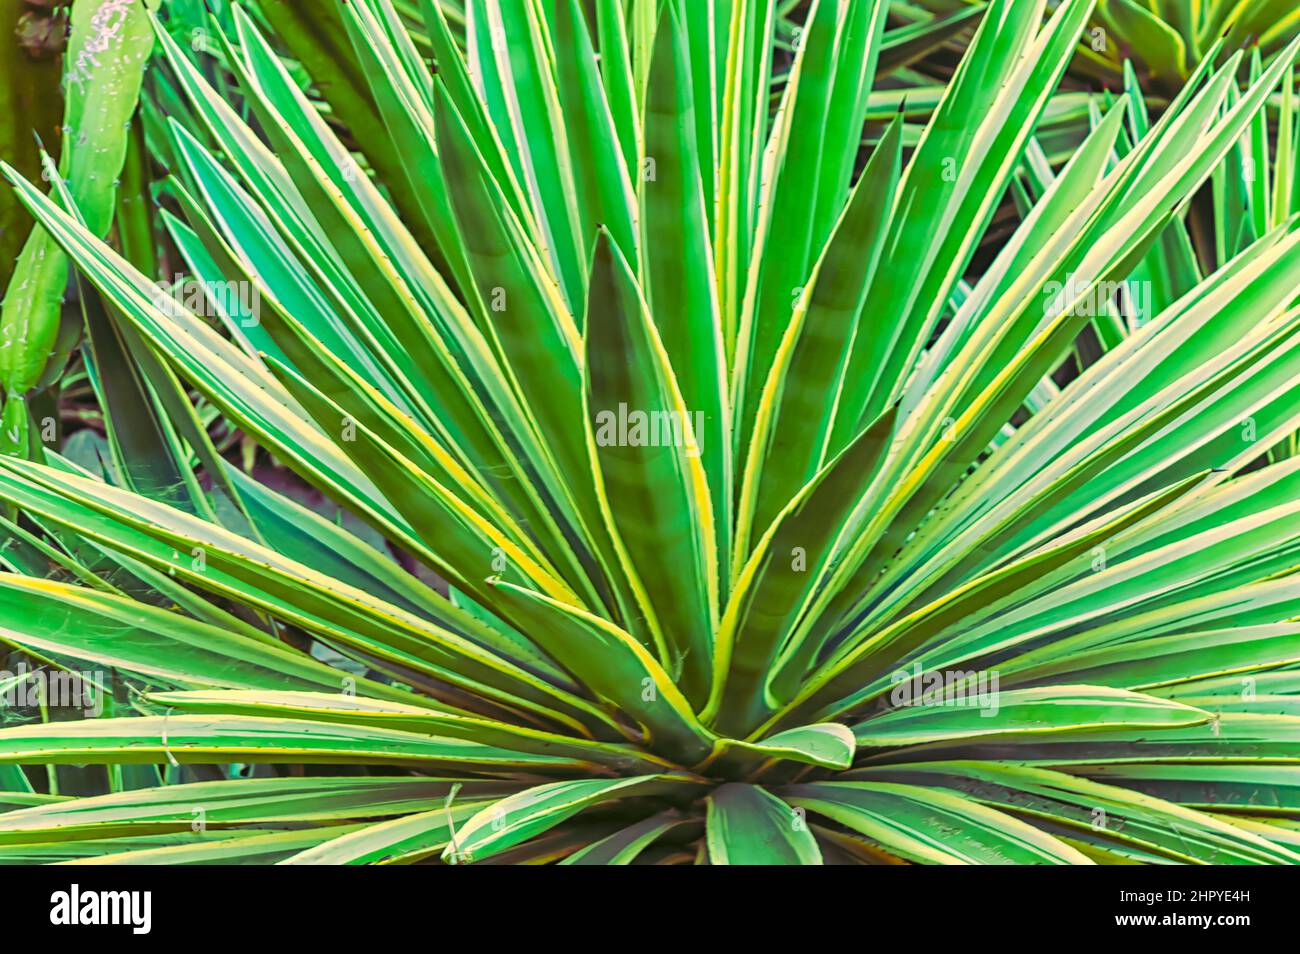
{"x": 755, "y": 523}
{"x": 1162, "y": 40}
{"x": 1167, "y": 38}
{"x": 1250, "y": 193}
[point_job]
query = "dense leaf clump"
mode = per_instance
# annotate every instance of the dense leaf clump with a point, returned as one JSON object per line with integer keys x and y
{"x": 740, "y": 468}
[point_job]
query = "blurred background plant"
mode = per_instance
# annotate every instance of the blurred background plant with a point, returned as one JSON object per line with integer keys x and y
{"x": 32, "y": 39}
{"x": 103, "y": 65}
{"x": 1162, "y": 41}
{"x": 33, "y": 36}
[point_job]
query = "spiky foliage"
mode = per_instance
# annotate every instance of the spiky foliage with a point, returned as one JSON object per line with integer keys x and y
{"x": 1164, "y": 40}
{"x": 876, "y": 587}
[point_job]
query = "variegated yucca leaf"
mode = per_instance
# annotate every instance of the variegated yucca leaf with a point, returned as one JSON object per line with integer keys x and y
{"x": 1163, "y": 40}
{"x": 762, "y": 516}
